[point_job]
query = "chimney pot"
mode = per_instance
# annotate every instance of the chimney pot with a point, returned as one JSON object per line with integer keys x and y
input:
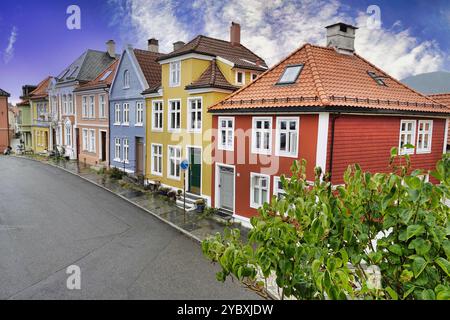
{"x": 341, "y": 36}
{"x": 177, "y": 45}
{"x": 153, "y": 45}
{"x": 111, "y": 48}
{"x": 235, "y": 34}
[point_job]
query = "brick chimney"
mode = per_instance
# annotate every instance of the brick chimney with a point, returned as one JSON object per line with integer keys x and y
{"x": 235, "y": 34}
{"x": 341, "y": 36}
{"x": 153, "y": 45}
{"x": 111, "y": 48}
{"x": 177, "y": 45}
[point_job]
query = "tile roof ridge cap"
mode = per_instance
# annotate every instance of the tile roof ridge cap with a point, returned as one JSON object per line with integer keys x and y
{"x": 38, "y": 87}
{"x": 261, "y": 75}
{"x": 316, "y": 77}
{"x": 212, "y": 80}
{"x": 395, "y": 80}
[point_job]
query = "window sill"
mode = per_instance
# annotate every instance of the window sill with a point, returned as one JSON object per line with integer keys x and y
{"x": 194, "y": 131}
{"x": 221, "y": 148}
{"x": 174, "y": 178}
{"x": 286, "y": 155}
{"x": 125, "y": 124}
{"x": 255, "y": 206}
{"x": 423, "y": 151}
{"x": 117, "y": 160}
{"x": 174, "y": 85}
{"x": 265, "y": 152}
{"x": 174, "y": 130}
{"x": 157, "y": 130}
{"x": 139, "y": 125}
{"x": 156, "y": 174}
{"x": 117, "y": 124}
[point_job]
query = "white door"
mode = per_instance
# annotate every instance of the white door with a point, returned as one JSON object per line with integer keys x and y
{"x": 226, "y": 188}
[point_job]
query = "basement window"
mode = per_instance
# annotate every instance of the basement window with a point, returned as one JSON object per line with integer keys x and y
{"x": 378, "y": 79}
{"x": 290, "y": 74}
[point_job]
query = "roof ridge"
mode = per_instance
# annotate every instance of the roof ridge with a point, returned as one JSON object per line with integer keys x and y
{"x": 316, "y": 76}
{"x": 212, "y": 80}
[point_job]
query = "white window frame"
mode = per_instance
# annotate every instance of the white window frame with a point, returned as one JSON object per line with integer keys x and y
{"x": 169, "y": 113}
{"x": 84, "y": 108}
{"x": 139, "y": 114}
{"x": 117, "y": 148}
{"x": 226, "y": 147}
{"x": 160, "y": 159}
{"x": 243, "y": 77}
{"x": 413, "y": 137}
{"x": 158, "y": 114}
{"x": 254, "y": 149}
{"x": 252, "y": 200}
{"x": 102, "y": 106}
{"x": 420, "y": 149}
{"x": 175, "y": 74}
{"x": 68, "y": 134}
{"x": 277, "y": 191}
{"x": 126, "y": 114}
{"x": 92, "y": 141}
{"x": 126, "y": 79}
{"x": 126, "y": 150}
{"x": 253, "y": 76}
{"x": 85, "y": 140}
{"x": 117, "y": 113}
{"x": 64, "y": 98}
{"x": 70, "y": 104}
{"x": 91, "y": 107}
{"x": 288, "y": 131}
{"x": 190, "y": 100}
{"x": 177, "y": 165}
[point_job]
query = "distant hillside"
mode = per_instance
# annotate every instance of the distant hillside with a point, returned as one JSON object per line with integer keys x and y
{"x": 429, "y": 83}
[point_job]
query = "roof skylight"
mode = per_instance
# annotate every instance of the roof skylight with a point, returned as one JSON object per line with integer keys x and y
{"x": 378, "y": 79}
{"x": 106, "y": 75}
{"x": 290, "y": 74}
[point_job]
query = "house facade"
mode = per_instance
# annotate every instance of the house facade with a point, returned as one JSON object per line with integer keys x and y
{"x": 443, "y": 98}
{"x": 327, "y": 105}
{"x": 24, "y": 119}
{"x": 92, "y": 118}
{"x": 40, "y": 118}
{"x": 4, "y": 123}
{"x": 62, "y": 101}
{"x": 195, "y": 76}
{"x": 137, "y": 71}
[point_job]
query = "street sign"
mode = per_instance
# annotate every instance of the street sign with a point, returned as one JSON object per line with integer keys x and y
{"x": 184, "y": 165}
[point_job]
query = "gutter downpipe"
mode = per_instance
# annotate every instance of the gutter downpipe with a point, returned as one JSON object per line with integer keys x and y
{"x": 333, "y": 126}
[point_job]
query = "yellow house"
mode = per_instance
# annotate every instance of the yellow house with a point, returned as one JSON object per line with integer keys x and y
{"x": 194, "y": 77}
{"x": 40, "y": 118}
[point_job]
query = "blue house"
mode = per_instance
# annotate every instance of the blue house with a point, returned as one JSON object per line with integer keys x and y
{"x": 137, "y": 71}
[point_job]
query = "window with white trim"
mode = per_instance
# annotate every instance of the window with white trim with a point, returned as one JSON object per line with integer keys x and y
{"x": 139, "y": 113}
{"x": 278, "y": 189}
{"x": 195, "y": 114}
{"x": 126, "y": 114}
{"x": 175, "y": 74}
{"x": 117, "y": 149}
{"x": 157, "y": 159}
{"x": 157, "y": 115}
{"x": 407, "y": 136}
{"x": 226, "y": 133}
{"x": 70, "y": 104}
{"x": 84, "y": 111}
{"x": 64, "y": 98}
{"x": 102, "y": 106}
{"x": 254, "y": 76}
{"x": 175, "y": 115}
{"x": 126, "y": 150}
{"x": 424, "y": 136}
{"x": 126, "y": 79}
{"x": 287, "y": 137}
{"x": 260, "y": 186}
{"x": 92, "y": 107}
{"x": 174, "y": 162}
{"x": 85, "y": 140}
{"x": 68, "y": 132}
{"x": 92, "y": 140}
{"x": 117, "y": 114}
{"x": 262, "y": 135}
{"x": 240, "y": 78}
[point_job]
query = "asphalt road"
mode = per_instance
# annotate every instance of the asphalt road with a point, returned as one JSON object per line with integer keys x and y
{"x": 50, "y": 219}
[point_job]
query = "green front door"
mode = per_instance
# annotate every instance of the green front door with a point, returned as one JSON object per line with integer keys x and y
{"x": 195, "y": 170}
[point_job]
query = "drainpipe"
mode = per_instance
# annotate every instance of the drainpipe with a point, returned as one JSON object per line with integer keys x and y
{"x": 108, "y": 147}
{"x": 333, "y": 127}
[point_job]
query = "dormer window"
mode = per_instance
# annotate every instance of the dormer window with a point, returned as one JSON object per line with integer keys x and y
{"x": 126, "y": 79}
{"x": 175, "y": 73}
{"x": 240, "y": 78}
{"x": 378, "y": 79}
{"x": 290, "y": 74}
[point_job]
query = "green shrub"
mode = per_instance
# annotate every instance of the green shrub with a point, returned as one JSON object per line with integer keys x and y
{"x": 116, "y": 174}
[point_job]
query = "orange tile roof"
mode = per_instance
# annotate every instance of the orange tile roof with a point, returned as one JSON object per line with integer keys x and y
{"x": 443, "y": 98}
{"x": 41, "y": 90}
{"x": 98, "y": 83}
{"x": 212, "y": 78}
{"x": 329, "y": 80}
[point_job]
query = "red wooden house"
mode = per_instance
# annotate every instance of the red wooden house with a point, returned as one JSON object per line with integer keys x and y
{"x": 327, "y": 105}
{"x": 4, "y": 123}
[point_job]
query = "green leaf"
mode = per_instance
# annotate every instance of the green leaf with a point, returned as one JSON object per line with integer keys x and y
{"x": 407, "y": 293}
{"x": 418, "y": 266}
{"x": 442, "y": 292}
{"x": 396, "y": 249}
{"x": 413, "y": 182}
{"x": 444, "y": 264}
{"x": 428, "y": 295}
{"x": 392, "y": 293}
{"x": 414, "y": 230}
{"x": 446, "y": 247}
{"x": 420, "y": 245}
{"x": 315, "y": 266}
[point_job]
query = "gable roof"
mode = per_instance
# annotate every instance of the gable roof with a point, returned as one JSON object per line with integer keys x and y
{"x": 151, "y": 69}
{"x": 329, "y": 80}
{"x": 443, "y": 98}
{"x": 239, "y": 55}
{"x": 3, "y": 93}
{"x": 212, "y": 77}
{"x": 87, "y": 67}
{"x": 41, "y": 90}
{"x": 99, "y": 83}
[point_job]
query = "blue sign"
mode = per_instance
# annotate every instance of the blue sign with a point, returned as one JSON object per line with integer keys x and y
{"x": 184, "y": 165}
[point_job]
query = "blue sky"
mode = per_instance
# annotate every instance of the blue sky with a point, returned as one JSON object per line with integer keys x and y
{"x": 35, "y": 42}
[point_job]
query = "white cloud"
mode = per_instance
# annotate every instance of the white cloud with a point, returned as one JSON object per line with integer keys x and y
{"x": 273, "y": 29}
{"x": 9, "y": 51}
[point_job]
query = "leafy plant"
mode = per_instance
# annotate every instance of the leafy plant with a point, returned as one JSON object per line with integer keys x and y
{"x": 326, "y": 242}
{"x": 116, "y": 174}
